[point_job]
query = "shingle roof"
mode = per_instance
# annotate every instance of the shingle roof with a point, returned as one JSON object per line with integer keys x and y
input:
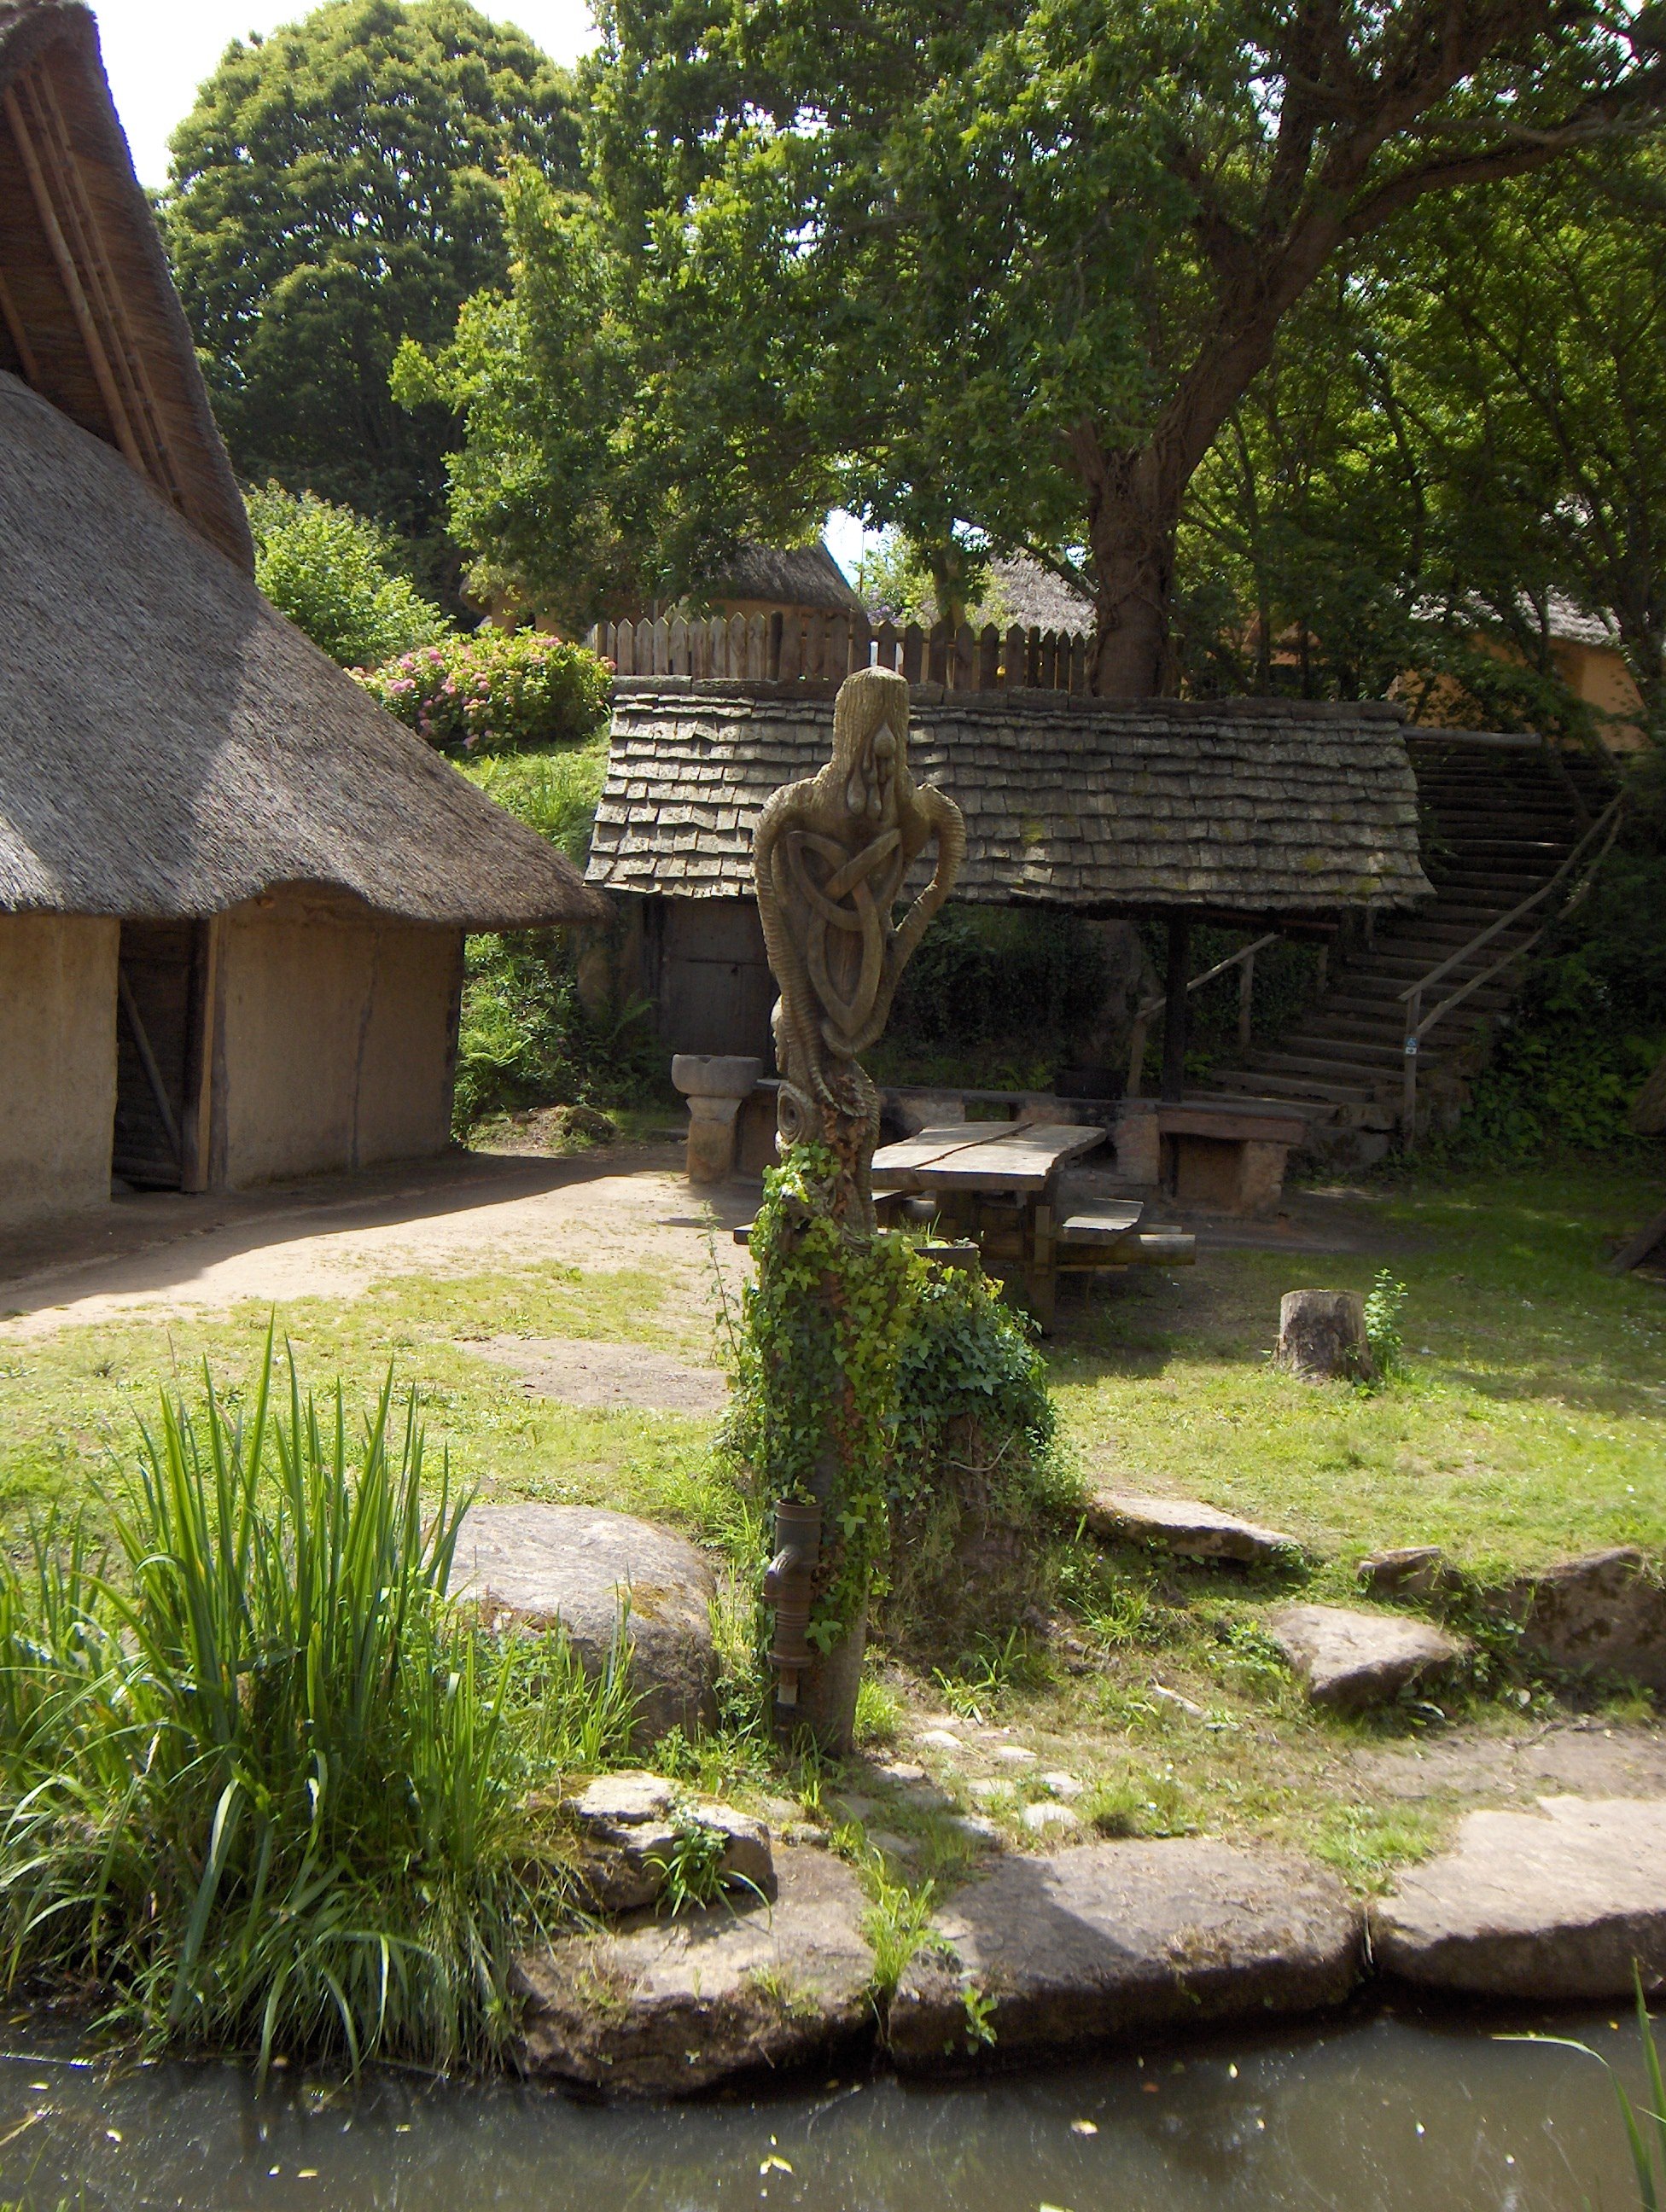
{"x": 1242, "y": 806}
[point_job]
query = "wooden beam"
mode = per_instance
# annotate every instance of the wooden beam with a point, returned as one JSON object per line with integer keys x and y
{"x": 1175, "y": 1012}
{"x": 20, "y": 337}
{"x": 118, "y": 326}
{"x": 68, "y": 276}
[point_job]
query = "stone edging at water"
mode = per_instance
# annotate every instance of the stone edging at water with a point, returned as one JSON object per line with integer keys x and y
{"x": 1048, "y": 1953}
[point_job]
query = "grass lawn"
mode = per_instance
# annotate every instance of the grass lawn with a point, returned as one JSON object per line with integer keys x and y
{"x": 1530, "y": 1423}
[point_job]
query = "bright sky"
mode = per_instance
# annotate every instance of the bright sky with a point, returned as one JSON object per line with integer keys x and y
{"x": 158, "y": 51}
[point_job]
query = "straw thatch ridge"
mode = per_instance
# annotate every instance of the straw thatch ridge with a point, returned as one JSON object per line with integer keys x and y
{"x": 49, "y": 51}
{"x": 169, "y": 744}
{"x": 785, "y": 576}
{"x": 1253, "y": 808}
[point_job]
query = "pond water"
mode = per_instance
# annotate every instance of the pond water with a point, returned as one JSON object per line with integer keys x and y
{"x": 1377, "y": 2114}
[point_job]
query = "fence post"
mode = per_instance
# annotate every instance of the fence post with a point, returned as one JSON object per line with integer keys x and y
{"x": 1408, "y": 1085}
{"x": 1013, "y": 671}
{"x": 1246, "y": 998}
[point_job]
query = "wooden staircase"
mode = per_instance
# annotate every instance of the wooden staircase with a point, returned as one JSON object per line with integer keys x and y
{"x": 1500, "y": 816}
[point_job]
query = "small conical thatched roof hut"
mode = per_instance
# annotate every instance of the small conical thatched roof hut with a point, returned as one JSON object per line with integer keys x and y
{"x": 232, "y": 889}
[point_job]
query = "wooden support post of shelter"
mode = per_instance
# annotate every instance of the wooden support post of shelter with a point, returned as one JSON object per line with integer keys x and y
{"x": 1175, "y": 1022}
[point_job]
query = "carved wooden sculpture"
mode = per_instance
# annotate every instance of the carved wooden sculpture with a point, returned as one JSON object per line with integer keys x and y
{"x": 829, "y": 857}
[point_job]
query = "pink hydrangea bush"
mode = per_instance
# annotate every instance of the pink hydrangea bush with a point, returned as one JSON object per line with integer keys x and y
{"x": 495, "y": 691}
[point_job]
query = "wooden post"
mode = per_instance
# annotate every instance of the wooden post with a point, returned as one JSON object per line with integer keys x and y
{"x": 1013, "y": 660}
{"x": 1137, "y": 1055}
{"x": 1174, "y": 1014}
{"x": 1246, "y": 998}
{"x": 1408, "y": 1078}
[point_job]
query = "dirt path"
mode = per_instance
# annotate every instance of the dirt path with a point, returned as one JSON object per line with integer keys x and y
{"x": 621, "y": 1207}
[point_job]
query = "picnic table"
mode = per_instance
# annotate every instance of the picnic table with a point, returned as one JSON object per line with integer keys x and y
{"x": 996, "y": 1182}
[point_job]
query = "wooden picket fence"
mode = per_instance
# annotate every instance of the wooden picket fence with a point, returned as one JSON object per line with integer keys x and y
{"x": 793, "y": 648}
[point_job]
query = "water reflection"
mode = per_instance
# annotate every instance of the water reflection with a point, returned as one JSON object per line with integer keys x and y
{"x": 1377, "y": 2114}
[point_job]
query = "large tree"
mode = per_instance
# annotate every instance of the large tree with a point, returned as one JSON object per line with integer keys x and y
{"x": 336, "y": 188}
{"x": 1006, "y": 267}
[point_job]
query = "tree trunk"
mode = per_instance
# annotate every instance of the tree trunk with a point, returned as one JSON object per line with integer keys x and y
{"x": 1131, "y": 519}
{"x": 1322, "y": 1336}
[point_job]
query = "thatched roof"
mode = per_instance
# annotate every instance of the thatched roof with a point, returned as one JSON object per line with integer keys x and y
{"x": 88, "y": 315}
{"x": 797, "y": 576}
{"x": 1035, "y": 598}
{"x": 1247, "y": 808}
{"x": 169, "y": 744}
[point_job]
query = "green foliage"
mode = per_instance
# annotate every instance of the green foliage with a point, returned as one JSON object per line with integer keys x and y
{"x": 1590, "y": 1025}
{"x": 525, "y": 1037}
{"x": 335, "y": 190}
{"x": 977, "y": 273}
{"x": 495, "y": 691}
{"x": 1384, "y": 1303}
{"x": 897, "y": 1924}
{"x": 335, "y": 575}
{"x": 823, "y": 1329}
{"x": 878, "y": 1712}
{"x": 692, "y": 1867}
{"x": 264, "y": 1785}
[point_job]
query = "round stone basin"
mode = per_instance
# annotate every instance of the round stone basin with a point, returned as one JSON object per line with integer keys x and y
{"x": 716, "y": 1074}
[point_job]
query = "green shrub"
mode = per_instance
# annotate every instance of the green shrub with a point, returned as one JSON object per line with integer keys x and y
{"x": 337, "y": 575}
{"x": 1589, "y": 1026}
{"x": 526, "y": 1038}
{"x": 554, "y": 792}
{"x": 265, "y": 1787}
{"x": 975, "y": 1479}
{"x": 495, "y": 690}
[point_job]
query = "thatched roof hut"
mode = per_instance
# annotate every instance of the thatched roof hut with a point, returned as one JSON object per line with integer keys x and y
{"x": 232, "y": 889}
{"x": 169, "y": 744}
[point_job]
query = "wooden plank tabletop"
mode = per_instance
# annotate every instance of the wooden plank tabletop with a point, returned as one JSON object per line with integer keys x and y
{"x": 995, "y": 1156}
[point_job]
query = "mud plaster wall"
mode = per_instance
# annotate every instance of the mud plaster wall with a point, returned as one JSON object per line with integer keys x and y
{"x": 57, "y": 1062}
{"x": 334, "y": 1040}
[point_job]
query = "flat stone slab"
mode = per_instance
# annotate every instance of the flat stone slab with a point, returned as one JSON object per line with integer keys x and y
{"x": 1349, "y": 1660}
{"x": 599, "y": 1574}
{"x": 1122, "y": 1939}
{"x": 1188, "y": 1527}
{"x": 671, "y": 2006}
{"x": 580, "y": 1373}
{"x": 1552, "y": 1904}
{"x": 1605, "y": 1612}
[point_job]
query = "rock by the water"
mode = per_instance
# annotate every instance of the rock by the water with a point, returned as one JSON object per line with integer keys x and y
{"x": 1349, "y": 1660}
{"x": 599, "y": 1575}
{"x": 627, "y": 1825}
{"x": 1412, "y": 1570}
{"x": 673, "y": 2007}
{"x": 1124, "y": 1939}
{"x": 1551, "y": 1905}
{"x": 1188, "y": 1527}
{"x": 1605, "y": 1612}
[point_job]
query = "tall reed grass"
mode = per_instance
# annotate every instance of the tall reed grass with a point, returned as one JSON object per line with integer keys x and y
{"x": 262, "y": 1786}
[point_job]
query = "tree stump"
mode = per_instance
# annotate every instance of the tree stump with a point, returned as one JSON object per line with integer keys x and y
{"x": 1322, "y": 1336}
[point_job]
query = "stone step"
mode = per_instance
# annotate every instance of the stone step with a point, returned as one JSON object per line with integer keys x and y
{"x": 1276, "y": 1083}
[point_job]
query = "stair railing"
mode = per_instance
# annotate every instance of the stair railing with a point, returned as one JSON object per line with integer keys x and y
{"x": 1244, "y": 961}
{"x": 1417, "y": 1023}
